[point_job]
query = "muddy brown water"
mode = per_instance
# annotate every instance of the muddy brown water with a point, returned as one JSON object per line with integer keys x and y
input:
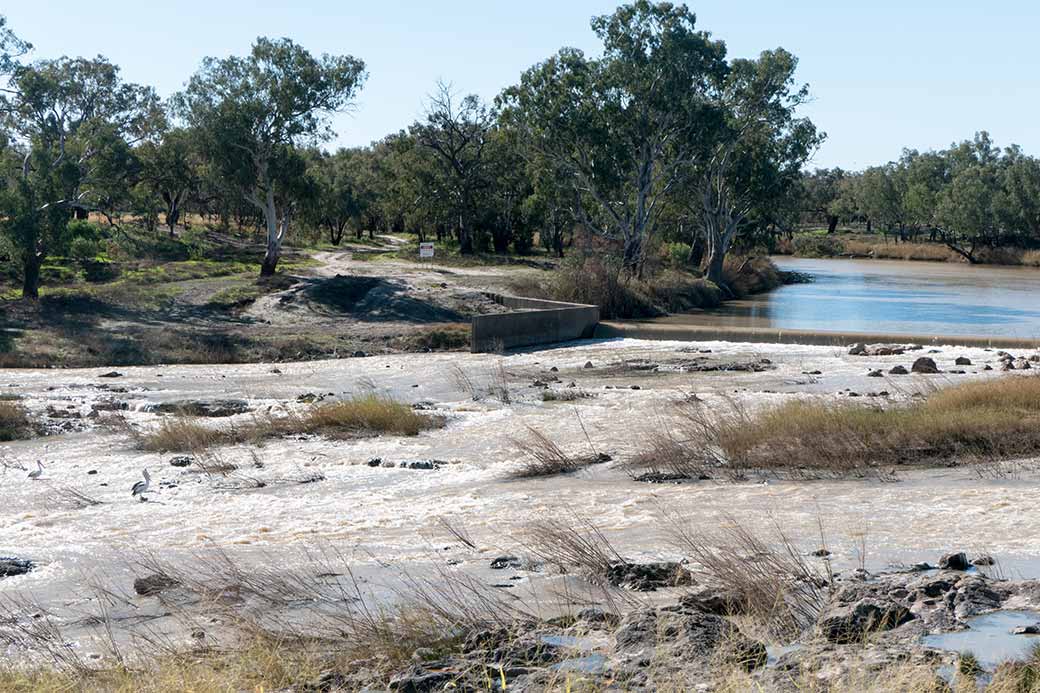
{"x": 896, "y": 297}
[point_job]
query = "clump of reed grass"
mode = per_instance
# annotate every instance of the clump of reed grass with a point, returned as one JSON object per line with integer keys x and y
{"x": 543, "y": 457}
{"x": 365, "y": 415}
{"x": 994, "y": 419}
{"x": 14, "y": 421}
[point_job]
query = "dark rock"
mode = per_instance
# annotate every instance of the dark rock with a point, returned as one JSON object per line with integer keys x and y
{"x": 503, "y": 562}
{"x": 987, "y": 367}
{"x": 898, "y": 370}
{"x": 92, "y": 472}
{"x": 690, "y": 636}
{"x": 648, "y": 577}
{"x": 181, "y": 461}
{"x": 9, "y": 567}
{"x": 217, "y": 408}
{"x": 359, "y": 354}
{"x": 875, "y": 374}
{"x": 328, "y": 681}
{"x": 1033, "y": 629}
{"x": 713, "y": 600}
{"x": 954, "y": 561}
{"x": 821, "y": 553}
{"x": 1021, "y": 364}
{"x": 924, "y": 365}
{"x": 375, "y": 462}
{"x": 421, "y": 464}
{"x": 984, "y": 560}
{"x": 111, "y": 374}
{"x": 962, "y": 361}
{"x": 849, "y": 623}
{"x": 588, "y": 364}
{"x": 153, "y": 584}
{"x": 858, "y": 349}
{"x": 419, "y": 679}
{"x": 596, "y": 616}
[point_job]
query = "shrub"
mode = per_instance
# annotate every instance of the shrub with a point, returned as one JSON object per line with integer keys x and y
{"x": 813, "y": 245}
{"x": 14, "y": 421}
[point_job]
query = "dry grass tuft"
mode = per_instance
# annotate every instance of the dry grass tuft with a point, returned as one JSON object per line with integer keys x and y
{"x": 366, "y": 415}
{"x": 182, "y": 434}
{"x": 14, "y": 421}
{"x": 543, "y": 457}
{"x": 995, "y": 419}
{"x": 769, "y": 579}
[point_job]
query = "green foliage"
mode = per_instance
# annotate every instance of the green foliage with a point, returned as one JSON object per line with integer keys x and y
{"x": 813, "y": 245}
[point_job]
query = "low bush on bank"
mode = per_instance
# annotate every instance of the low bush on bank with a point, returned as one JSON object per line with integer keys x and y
{"x": 600, "y": 280}
{"x": 997, "y": 419}
{"x": 367, "y": 415}
{"x": 14, "y": 421}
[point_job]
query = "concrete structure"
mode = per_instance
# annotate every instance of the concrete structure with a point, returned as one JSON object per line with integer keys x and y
{"x": 699, "y": 333}
{"x": 531, "y": 322}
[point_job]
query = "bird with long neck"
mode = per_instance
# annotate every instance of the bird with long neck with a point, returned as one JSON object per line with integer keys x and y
{"x": 38, "y": 472}
{"x": 141, "y": 487}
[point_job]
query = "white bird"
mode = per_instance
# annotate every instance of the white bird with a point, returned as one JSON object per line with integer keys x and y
{"x": 38, "y": 472}
{"x": 141, "y": 487}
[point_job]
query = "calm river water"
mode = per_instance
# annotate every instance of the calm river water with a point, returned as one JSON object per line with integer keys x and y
{"x": 897, "y": 297}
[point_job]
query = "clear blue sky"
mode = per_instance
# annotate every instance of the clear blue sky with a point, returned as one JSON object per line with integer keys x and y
{"x": 883, "y": 74}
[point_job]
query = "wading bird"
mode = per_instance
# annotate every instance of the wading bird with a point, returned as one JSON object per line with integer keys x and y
{"x": 38, "y": 472}
{"x": 141, "y": 487}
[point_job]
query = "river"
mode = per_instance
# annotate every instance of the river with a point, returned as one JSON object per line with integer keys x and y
{"x": 891, "y": 296}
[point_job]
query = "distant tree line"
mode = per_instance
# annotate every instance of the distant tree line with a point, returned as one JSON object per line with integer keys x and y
{"x": 663, "y": 137}
{"x": 972, "y": 195}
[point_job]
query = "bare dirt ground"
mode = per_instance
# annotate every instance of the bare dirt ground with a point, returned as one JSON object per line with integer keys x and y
{"x": 325, "y": 304}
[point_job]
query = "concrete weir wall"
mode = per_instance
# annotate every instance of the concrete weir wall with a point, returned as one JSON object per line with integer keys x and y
{"x": 531, "y": 322}
{"x": 698, "y": 333}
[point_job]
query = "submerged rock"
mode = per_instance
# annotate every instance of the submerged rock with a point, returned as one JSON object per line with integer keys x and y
{"x": 898, "y": 370}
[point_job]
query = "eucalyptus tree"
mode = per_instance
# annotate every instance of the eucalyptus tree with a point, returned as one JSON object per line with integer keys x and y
{"x": 171, "y": 169}
{"x": 1020, "y": 181}
{"x": 624, "y": 130}
{"x": 72, "y": 123}
{"x": 757, "y": 153}
{"x": 11, "y": 47}
{"x": 341, "y": 196}
{"x": 457, "y": 131}
{"x": 254, "y": 113}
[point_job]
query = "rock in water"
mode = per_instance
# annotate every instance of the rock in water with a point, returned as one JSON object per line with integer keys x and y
{"x": 924, "y": 365}
{"x": 962, "y": 361}
{"x": 153, "y": 584}
{"x": 954, "y": 561}
{"x": 898, "y": 370}
{"x": 9, "y": 567}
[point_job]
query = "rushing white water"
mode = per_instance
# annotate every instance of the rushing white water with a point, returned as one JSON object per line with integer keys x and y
{"x": 389, "y": 519}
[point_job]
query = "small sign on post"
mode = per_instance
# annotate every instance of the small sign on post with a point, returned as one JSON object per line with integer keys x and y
{"x": 425, "y": 250}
